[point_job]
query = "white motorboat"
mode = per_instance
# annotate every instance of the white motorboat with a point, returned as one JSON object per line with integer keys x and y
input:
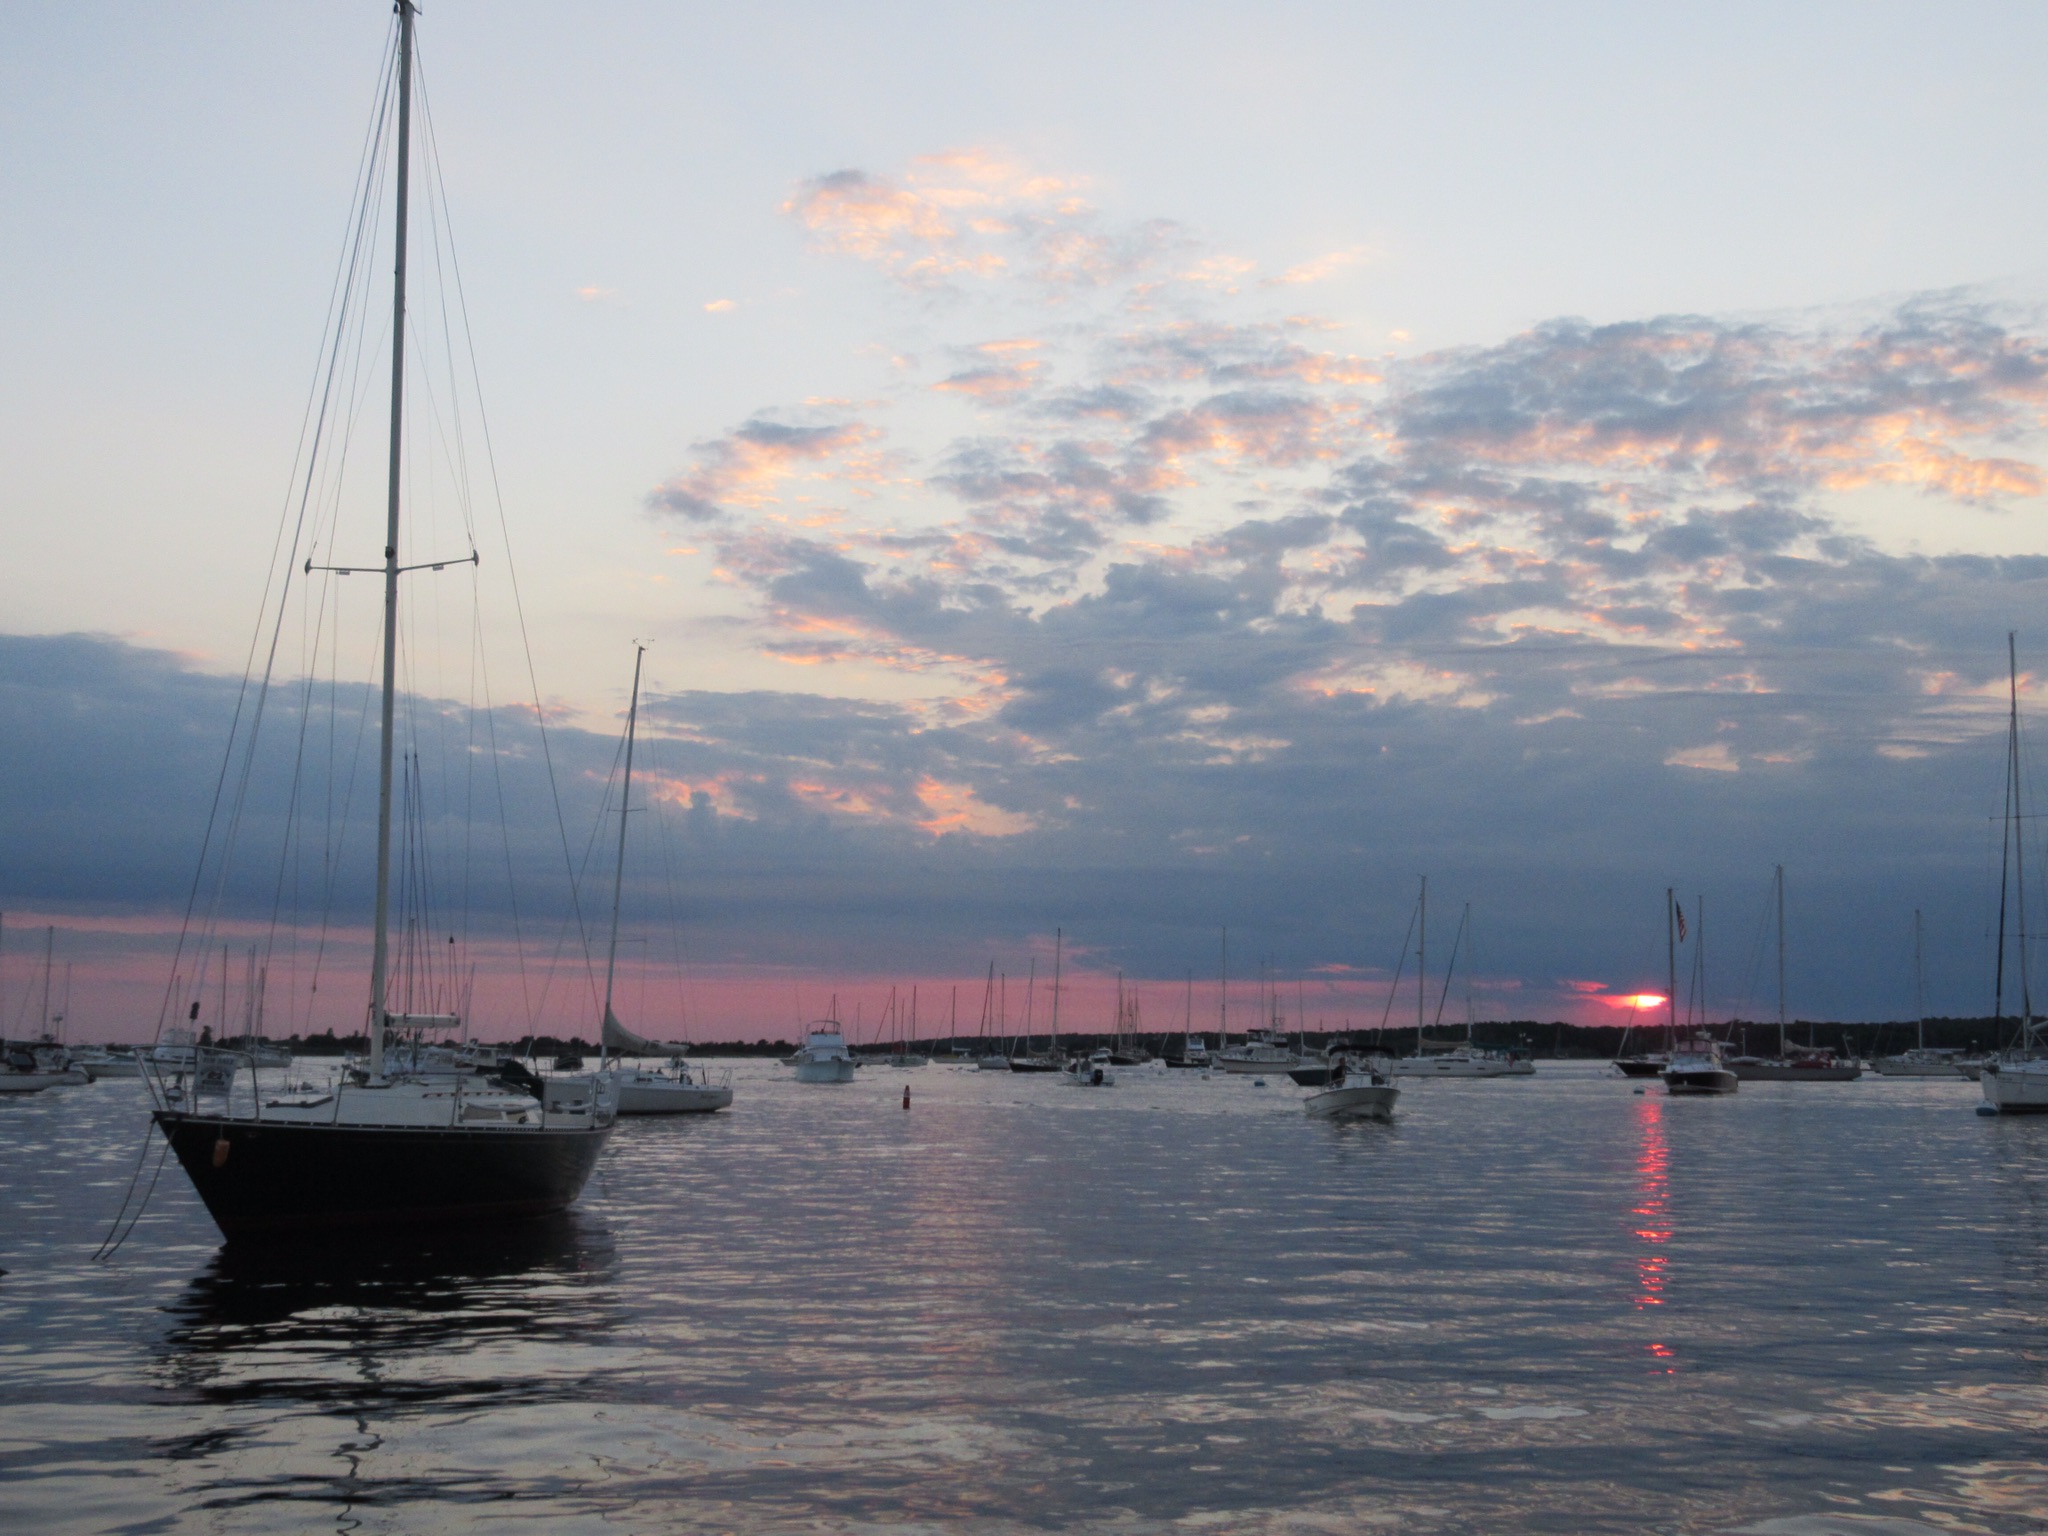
{"x": 32, "y": 1066}
{"x": 1262, "y": 1051}
{"x": 1355, "y": 1092}
{"x": 1090, "y": 1071}
{"x": 1697, "y": 1068}
{"x": 823, "y": 1057}
{"x": 1921, "y": 1062}
{"x": 99, "y": 1062}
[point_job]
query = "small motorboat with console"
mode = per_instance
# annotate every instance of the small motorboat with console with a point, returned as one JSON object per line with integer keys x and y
{"x": 1090, "y": 1071}
{"x": 1356, "y": 1091}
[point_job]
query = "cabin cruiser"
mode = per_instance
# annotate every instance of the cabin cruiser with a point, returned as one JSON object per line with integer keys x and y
{"x": 1264, "y": 1050}
{"x": 1697, "y": 1068}
{"x": 1921, "y": 1061}
{"x": 823, "y": 1057}
{"x": 1194, "y": 1052}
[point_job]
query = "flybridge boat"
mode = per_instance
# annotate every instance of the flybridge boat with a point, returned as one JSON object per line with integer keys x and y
{"x": 823, "y": 1057}
{"x": 380, "y": 1146}
{"x": 1262, "y": 1051}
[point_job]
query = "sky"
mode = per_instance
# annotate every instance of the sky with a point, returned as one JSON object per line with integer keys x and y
{"x": 1117, "y": 473}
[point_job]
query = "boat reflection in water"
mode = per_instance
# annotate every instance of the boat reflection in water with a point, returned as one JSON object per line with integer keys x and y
{"x": 383, "y": 1320}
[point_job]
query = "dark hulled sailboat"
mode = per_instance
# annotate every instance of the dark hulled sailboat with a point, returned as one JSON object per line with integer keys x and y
{"x": 380, "y": 1148}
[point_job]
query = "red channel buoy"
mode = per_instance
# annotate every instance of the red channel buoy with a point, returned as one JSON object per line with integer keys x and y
{"x": 906, "y": 1095}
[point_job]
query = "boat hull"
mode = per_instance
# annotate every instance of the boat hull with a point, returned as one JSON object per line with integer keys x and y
{"x": 1641, "y": 1066}
{"x": 1364, "y": 1101}
{"x": 1787, "y": 1072}
{"x": 258, "y": 1177}
{"x": 669, "y": 1098}
{"x": 1894, "y": 1067}
{"x": 829, "y": 1070}
{"x": 1699, "y": 1080}
{"x": 1032, "y": 1064}
{"x": 1452, "y": 1066}
{"x": 2015, "y": 1087}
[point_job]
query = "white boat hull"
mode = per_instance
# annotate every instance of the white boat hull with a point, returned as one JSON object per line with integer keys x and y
{"x": 655, "y": 1095}
{"x": 1899, "y": 1066}
{"x": 826, "y": 1071}
{"x": 1459, "y": 1066}
{"x": 2015, "y": 1087}
{"x": 1363, "y": 1101}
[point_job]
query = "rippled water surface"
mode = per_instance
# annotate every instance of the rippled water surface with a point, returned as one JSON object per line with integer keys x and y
{"x": 1177, "y": 1304}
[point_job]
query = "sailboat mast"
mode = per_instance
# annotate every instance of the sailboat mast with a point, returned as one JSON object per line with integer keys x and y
{"x": 1778, "y": 880}
{"x": 2019, "y": 842}
{"x": 1421, "y": 960}
{"x": 1919, "y": 988}
{"x": 380, "y": 958}
{"x": 1058, "y": 937}
{"x": 611, "y": 959}
{"x": 1671, "y": 963}
{"x": 1223, "y": 989}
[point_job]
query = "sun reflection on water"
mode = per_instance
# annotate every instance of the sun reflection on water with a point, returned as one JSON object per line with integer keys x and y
{"x": 1650, "y": 1215}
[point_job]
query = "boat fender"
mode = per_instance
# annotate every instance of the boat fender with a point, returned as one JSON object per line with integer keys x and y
{"x": 906, "y": 1095}
{"x": 221, "y": 1147}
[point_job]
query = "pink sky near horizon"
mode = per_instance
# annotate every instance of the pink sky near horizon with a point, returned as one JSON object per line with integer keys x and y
{"x": 119, "y": 971}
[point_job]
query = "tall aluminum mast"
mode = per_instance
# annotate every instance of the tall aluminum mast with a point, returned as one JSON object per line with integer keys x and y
{"x": 611, "y": 959}
{"x": 381, "y": 955}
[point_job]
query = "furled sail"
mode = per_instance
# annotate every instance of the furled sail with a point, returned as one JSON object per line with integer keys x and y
{"x": 621, "y": 1039}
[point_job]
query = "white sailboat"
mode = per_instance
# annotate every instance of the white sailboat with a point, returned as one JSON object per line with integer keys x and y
{"x": 2015, "y": 1082}
{"x": 641, "y": 1089}
{"x": 1464, "y": 1060}
{"x": 1920, "y": 1060}
{"x": 30, "y": 1066}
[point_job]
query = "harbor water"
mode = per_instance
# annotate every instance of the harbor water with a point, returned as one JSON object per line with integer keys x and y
{"x": 1175, "y": 1305}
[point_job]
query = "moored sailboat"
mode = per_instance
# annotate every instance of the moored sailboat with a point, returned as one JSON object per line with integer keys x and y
{"x": 2015, "y": 1082}
{"x": 380, "y": 1147}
